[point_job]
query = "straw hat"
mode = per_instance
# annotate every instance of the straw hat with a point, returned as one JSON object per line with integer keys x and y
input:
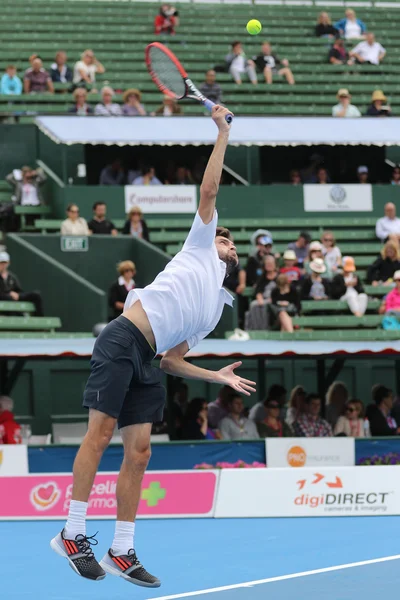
{"x": 289, "y": 255}
{"x": 343, "y": 92}
{"x": 318, "y": 266}
{"x": 131, "y": 92}
{"x": 378, "y": 95}
{"x": 348, "y": 264}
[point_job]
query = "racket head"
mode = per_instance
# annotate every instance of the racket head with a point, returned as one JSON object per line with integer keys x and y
{"x": 166, "y": 70}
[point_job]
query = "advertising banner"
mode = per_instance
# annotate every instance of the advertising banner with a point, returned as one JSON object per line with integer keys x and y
{"x": 161, "y": 198}
{"x": 337, "y": 197}
{"x": 310, "y": 452}
{"x": 164, "y": 494}
{"x": 332, "y": 491}
{"x": 13, "y": 460}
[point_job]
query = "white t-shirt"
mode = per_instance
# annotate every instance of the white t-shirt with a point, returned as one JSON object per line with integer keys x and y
{"x": 369, "y": 52}
{"x": 333, "y": 257}
{"x": 88, "y": 69}
{"x": 352, "y": 30}
{"x": 29, "y": 195}
{"x": 186, "y": 300}
{"x": 385, "y": 226}
{"x": 239, "y": 62}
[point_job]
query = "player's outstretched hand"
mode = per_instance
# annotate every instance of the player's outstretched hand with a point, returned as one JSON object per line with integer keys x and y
{"x": 226, "y": 376}
{"x": 218, "y": 114}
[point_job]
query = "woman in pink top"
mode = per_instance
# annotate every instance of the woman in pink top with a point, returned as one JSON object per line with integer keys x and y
{"x": 392, "y": 302}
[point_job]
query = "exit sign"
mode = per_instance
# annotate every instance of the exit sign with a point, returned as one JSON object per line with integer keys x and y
{"x": 74, "y": 243}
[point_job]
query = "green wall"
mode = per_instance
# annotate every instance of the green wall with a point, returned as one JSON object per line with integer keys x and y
{"x": 17, "y": 147}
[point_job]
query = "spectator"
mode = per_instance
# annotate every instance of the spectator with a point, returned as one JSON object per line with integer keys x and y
{"x": 350, "y": 27}
{"x": 388, "y": 227}
{"x": 324, "y": 27}
{"x": 347, "y": 287}
{"x": 368, "y": 51}
{"x": 234, "y": 426}
{"x": 10, "y": 430}
{"x": 120, "y": 289}
{"x": 296, "y": 404}
{"x": 378, "y": 414}
{"x": 10, "y": 84}
{"x": 169, "y": 108}
{"x": 166, "y": 21}
{"x": 262, "y": 242}
{"x": 236, "y": 280}
{"x": 37, "y": 80}
{"x": 258, "y": 315}
{"x": 344, "y": 108}
{"x": 276, "y": 393}
{"x": 113, "y": 174}
{"x": 309, "y": 423}
{"x": 11, "y": 290}
{"x": 300, "y": 247}
{"x": 315, "y": 251}
{"x": 218, "y": 409}
{"x": 350, "y": 423}
{"x": 135, "y": 225}
{"x": 338, "y": 54}
{"x": 379, "y": 106}
{"x": 382, "y": 270}
{"x": 362, "y": 174}
{"x": 395, "y": 176}
{"x": 237, "y": 64}
{"x": 285, "y": 304}
{"x": 74, "y": 224}
{"x": 60, "y": 72}
{"x": 322, "y": 176}
{"x": 132, "y": 106}
{"x": 99, "y": 224}
{"x": 81, "y": 107}
{"x": 391, "y": 303}
{"x": 26, "y": 183}
{"x": 210, "y": 88}
{"x": 331, "y": 252}
{"x": 183, "y": 176}
{"x": 289, "y": 268}
{"x": 107, "y": 108}
{"x": 148, "y": 177}
{"x": 272, "y": 425}
{"x": 195, "y": 425}
{"x": 314, "y": 286}
{"x": 294, "y": 176}
{"x": 336, "y": 398}
{"x": 269, "y": 64}
{"x": 85, "y": 69}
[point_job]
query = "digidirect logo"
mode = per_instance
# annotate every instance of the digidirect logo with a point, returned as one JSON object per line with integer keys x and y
{"x": 338, "y": 194}
{"x": 297, "y": 456}
{"x": 45, "y": 496}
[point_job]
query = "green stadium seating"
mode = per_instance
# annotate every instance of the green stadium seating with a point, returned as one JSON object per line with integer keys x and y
{"x": 310, "y": 306}
{"x": 337, "y": 322}
{"x": 29, "y": 323}
{"x": 23, "y": 307}
{"x": 344, "y": 335}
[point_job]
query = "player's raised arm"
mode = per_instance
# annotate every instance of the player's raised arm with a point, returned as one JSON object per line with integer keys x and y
{"x": 212, "y": 175}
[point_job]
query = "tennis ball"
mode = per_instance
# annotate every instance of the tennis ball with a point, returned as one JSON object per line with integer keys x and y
{"x": 254, "y": 27}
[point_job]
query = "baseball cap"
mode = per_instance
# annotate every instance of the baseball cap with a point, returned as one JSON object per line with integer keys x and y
{"x": 289, "y": 255}
{"x": 265, "y": 240}
{"x": 362, "y": 169}
{"x": 4, "y": 257}
{"x": 396, "y": 276}
{"x": 316, "y": 245}
{"x": 317, "y": 265}
{"x": 349, "y": 264}
{"x": 343, "y": 92}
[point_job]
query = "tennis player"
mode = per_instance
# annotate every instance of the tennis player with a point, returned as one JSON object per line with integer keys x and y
{"x": 182, "y": 305}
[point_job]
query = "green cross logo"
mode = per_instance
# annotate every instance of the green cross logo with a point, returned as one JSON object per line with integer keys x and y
{"x": 154, "y": 493}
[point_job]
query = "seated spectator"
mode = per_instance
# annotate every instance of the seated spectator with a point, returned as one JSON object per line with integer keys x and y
{"x": 60, "y": 72}
{"x": 26, "y": 183}
{"x": 235, "y": 426}
{"x": 113, "y": 174}
{"x": 296, "y": 404}
{"x": 210, "y": 88}
{"x": 195, "y": 422}
{"x": 337, "y": 397}
{"x": 331, "y": 252}
{"x": 315, "y": 251}
{"x": 166, "y": 21}
{"x": 37, "y": 80}
{"x": 11, "y": 290}
{"x": 368, "y": 51}
{"x": 10, "y": 84}
{"x": 135, "y": 225}
{"x": 294, "y": 176}
{"x": 169, "y": 108}
{"x": 276, "y": 393}
{"x": 350, "y": 423}
{"x": 107, "y": 108}
{"x": 391, "y": 303}
{"x": 10, "y": 430}
{"x": 309, "y": 423}
{"x": 324, "y": 27}
{"x": 257, "y": 317}
{"x": 85, "y": 69}
{"x": 120, "y": 289}
{"x": 289, "y": 268}
{"x": 237, "y": 63}
{"x": 132, "y": 106}
{"x": 218, "y": 409}
{"x": 395, "y": 180}
{"x": 381, "y": 423}
{"x": 382, "y": 270}
{"x": 81, "y": 107}
{"x": 285, "y": 304}
{"x": 300, "y": 247}
{"x": 350, "y": 27}
{"x": 322, "y": 176}
{"x": 74, "y": 224}
{"x": 99, "y": 224}
{"x": 388, "y": 227}
{"x": 272, "y": 425}
{"x": 314, "y": 286}
{"x": 338, "y": 54}
{"x": 269, "y": 64}
{"x": 262, "y": 246}
{"x": 344, "y": 108}
{"x": 347, "y": 287}
{"x": 379, "y": 106}
{"x": 148, "y": 177}
{"x": 183, "y": 176}
{"x": 363, "y": 174}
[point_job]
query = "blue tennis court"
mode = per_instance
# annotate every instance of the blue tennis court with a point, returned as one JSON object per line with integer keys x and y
{"x": 238, "y": 559}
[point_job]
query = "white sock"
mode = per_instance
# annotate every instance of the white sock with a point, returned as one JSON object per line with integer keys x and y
{"x": 76, "y": 523}
{"x": 123, "y": 538}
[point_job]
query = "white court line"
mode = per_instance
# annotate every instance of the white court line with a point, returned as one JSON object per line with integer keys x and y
{"x": 280, "y": 578}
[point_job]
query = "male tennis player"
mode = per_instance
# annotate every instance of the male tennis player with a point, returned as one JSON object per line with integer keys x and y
{"x": 182, "y": 305}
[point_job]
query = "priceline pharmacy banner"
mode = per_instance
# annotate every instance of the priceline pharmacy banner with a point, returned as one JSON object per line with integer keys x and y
{"x": 310, "y": 452}
{"x": 168, "y": 199}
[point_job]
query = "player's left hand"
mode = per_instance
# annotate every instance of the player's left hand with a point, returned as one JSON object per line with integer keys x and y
{"x": 218, "y": 114}
{"x": 226, "y": 376}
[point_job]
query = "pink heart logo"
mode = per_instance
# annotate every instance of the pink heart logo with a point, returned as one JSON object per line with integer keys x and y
{"x": 46, "y": 491}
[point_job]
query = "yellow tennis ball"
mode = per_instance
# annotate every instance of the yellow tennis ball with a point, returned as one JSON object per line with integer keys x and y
{"x": 254, "y": 27}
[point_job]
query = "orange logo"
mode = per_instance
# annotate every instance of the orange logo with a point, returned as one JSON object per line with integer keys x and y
{"x": 296, "y": 456}
{"x": 45, "y": 495}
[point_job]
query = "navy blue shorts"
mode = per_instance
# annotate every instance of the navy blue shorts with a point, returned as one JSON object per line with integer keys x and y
{"x": 123, "y": 383}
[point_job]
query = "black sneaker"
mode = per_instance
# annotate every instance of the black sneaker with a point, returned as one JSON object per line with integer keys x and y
{"x": 130, "y": 568}
{"x": 79, "y": 554}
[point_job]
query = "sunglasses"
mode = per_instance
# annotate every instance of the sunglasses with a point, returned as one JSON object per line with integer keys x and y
{"x": 328, "y": 239}
{"x": 351, "y": 410}
{"x": 273, "y": 405}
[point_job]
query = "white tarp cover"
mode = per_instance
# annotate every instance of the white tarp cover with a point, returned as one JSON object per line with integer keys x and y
{"x": 246, "y": 131}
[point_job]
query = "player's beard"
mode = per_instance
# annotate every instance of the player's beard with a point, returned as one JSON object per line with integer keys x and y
{"x": 231, "y": 262}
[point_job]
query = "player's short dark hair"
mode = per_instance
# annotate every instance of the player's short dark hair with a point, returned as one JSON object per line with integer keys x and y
{"x": 96, "y": 204}
{"x": 223, "y": 232}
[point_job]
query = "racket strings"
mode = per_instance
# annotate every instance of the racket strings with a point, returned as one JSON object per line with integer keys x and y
{"x": 166, "y": 72}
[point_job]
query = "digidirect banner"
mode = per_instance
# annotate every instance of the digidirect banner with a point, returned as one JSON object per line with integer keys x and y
{"x": 168, "y": 199}
{"x": 310, "y": 452}
{"x": 327, "y": 492}
{"x": 164, "y": 494}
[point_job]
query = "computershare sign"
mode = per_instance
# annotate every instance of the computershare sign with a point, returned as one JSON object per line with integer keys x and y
{"x": 337, "y": 197}
{"x": 341, "y": 491}
{"x": 310, "y": 452}
{"x": 161, "y": 198}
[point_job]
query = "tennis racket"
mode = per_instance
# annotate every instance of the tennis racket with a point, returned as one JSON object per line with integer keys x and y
{"x": 171, "y": 78}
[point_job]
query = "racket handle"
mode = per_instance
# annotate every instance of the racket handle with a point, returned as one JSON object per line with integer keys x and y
{"x": 209, "y": 104}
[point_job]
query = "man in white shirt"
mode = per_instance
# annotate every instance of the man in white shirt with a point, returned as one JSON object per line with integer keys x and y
{"x": 388, "y": 227}
{"x": 369, "y": 51}
{"x": 181, "y": 307}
